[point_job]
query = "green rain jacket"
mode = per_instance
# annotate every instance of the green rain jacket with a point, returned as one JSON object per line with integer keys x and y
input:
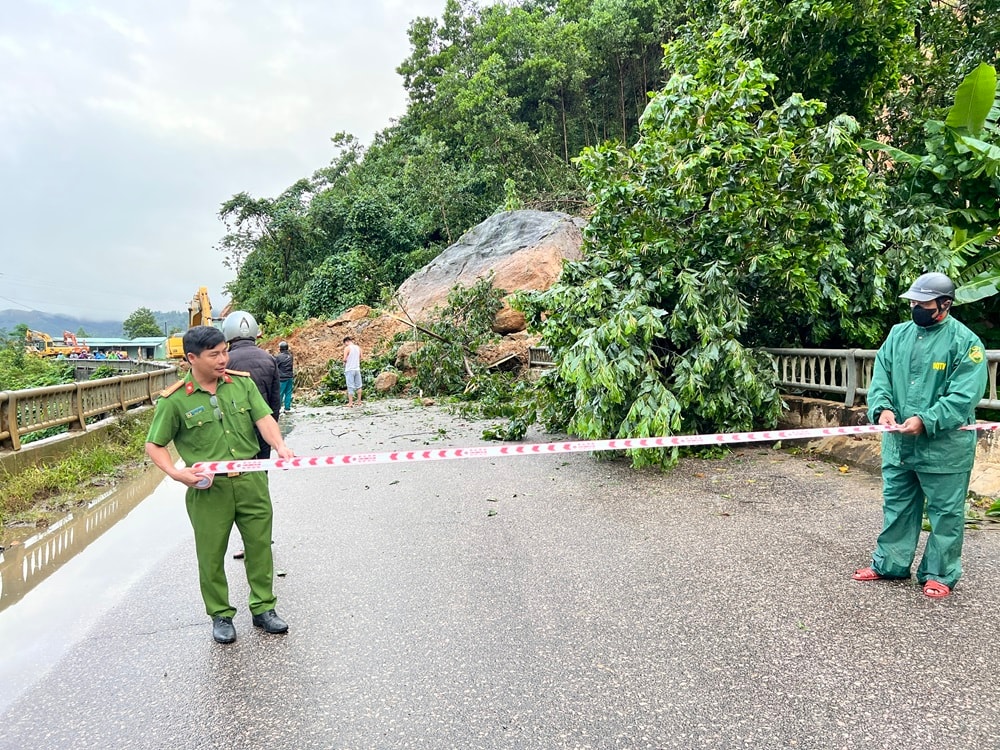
{"x": 939, "y": 374}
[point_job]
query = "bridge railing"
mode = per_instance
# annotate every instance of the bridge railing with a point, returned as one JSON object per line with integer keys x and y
{"x": 30, "y": 410}
{"x": 840, "y": 372}
{"x": 86, "y": 367}
{"x": 848, "y": 372}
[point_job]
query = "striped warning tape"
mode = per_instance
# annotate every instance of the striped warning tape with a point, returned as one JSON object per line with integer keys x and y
{"x": 534, "y": 449}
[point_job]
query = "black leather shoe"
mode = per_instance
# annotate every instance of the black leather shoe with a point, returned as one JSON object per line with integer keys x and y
{"x": 270, "y": 622}
{"x": 223, "y": 630}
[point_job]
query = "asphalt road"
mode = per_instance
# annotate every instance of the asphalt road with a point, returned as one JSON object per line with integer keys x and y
{"x": 539, "y": 602}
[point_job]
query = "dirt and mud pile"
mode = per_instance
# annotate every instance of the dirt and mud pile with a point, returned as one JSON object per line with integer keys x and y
{"x": 318, "y": 341}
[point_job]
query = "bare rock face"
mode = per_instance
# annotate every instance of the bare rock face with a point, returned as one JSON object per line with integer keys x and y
{"x": 386, "y": 381}
{"x": 524, "y": 249}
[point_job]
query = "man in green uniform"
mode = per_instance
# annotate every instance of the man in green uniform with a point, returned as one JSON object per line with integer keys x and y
{"x": 210, "y": 416}
{"x": 929, "y": 375}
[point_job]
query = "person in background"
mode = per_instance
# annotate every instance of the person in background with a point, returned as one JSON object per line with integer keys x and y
{"x": 286, "y": 374}
{"x": 210, "y": 415}
{"x": 929, "y": 375}
{"x": 241, "y": 331}
{"x": 352, "y": 371}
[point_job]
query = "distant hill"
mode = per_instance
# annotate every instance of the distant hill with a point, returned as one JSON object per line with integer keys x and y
{"x": 54, "y": 325}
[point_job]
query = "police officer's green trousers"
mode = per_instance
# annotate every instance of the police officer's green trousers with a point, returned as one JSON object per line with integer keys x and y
{"x": 903, "y": 496}
{"x": 243, "y": 500}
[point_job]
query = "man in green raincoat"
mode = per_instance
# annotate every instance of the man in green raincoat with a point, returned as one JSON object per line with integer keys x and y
{"x": 929, "y": 375}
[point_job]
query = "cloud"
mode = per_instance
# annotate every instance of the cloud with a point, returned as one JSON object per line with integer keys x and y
{"x": 124, "y": 126}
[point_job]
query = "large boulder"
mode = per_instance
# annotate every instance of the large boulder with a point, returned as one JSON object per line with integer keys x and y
{"x": 524, "y": 249}
{"x": 386, "y": 381}
{"x": 405, "y": 351}
{"x": 508, "y": 320}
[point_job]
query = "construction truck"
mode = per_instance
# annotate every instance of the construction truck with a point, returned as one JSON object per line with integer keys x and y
{"x": 42, "y": 345}
{"x": 199, "y": 314}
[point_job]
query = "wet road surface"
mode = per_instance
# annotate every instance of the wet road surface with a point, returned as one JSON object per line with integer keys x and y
{"x": 537, "y": 602}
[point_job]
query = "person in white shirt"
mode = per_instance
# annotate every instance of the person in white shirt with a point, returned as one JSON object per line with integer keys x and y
{"x": 352, "y": 371}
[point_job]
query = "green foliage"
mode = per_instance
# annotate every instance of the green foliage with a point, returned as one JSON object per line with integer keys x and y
{"x": 958, "y": 177}
{"x": 279, "y": 326}
{"x": 974, "y": 100}
{"x": 735, "y": 221}
{"x": 67, "y": 481}
{"x": 19, "y": 370}
{"x": 503, "y": 396}
{"x": 104, "y": 371}
{"x": 446, "y": 360}
{"x": 141, "y": 323}
{"x": 848, "y": 53}
{"x": 953, "y": 37}
{"x": 502, "y": 97}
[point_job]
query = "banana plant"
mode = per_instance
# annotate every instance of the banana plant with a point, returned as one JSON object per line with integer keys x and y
{"x": 960, "y": 174}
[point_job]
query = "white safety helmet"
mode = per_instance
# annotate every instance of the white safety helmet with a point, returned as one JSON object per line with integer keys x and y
{"x": 240, "y": 325}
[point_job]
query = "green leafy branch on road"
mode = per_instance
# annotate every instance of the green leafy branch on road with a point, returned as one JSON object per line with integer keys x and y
{"x": 445, "y": 362}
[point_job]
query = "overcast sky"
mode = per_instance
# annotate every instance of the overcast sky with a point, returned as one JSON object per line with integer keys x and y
{"x": 125, "y": 124}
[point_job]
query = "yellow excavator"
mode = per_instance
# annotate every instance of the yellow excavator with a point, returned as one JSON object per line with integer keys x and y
{"x": 199, "y": 314}
{"x": 41, "y": 344}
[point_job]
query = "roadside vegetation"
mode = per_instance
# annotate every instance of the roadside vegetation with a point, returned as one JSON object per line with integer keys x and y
{"x": 19, "y": 370}
{"x": 36, "y": 495}
{"x": 33, "y": 497}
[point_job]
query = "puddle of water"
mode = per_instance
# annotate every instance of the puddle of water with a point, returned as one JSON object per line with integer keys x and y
{"x": 99, "y": 553}
{"x": 28, "y": 562}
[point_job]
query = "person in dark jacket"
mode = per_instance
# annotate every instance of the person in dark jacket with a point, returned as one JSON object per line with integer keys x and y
{"x": 241, "y": 331}
{"x": 286, "y": 374}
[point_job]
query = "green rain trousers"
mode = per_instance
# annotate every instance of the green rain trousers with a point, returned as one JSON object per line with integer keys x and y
{"x": 903, "y": 508}
{"x": 242, "y": 500}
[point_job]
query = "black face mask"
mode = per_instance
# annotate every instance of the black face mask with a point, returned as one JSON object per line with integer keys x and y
{"x": 922, "y": 316}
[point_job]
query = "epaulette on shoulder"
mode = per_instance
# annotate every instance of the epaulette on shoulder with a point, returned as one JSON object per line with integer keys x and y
{"x": 238, "y": 372}
{"x": 170, "y": 389}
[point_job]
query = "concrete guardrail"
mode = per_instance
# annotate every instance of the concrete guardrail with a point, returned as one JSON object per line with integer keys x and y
{"x": 843, "y": 372}
{"x": 30, "y": 410}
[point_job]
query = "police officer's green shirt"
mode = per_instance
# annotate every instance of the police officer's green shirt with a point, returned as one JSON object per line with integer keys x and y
{"x": 939, "y": 374}
{"x": 207, "y": 431}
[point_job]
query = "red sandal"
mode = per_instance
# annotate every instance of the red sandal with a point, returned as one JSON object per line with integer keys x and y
{"x": 866, "y": 574}
{"x": 936, "y": 590}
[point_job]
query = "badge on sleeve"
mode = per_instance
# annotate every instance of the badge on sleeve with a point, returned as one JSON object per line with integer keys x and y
{"x": 976, "y": 354}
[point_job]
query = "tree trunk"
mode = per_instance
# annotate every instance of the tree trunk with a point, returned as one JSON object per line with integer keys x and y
{"x": 562, "y": 102}
{"x": 621, "y": 96}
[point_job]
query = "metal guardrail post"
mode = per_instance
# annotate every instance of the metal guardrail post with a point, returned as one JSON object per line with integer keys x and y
{"x": 8, "y": 431}
{"x": 851, "y": 385}
{"x": 14, "y": 438}
{"x": 77, "y": 401}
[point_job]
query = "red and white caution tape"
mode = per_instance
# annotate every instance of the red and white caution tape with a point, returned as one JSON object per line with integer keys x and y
{"x": 535, "y": 449}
